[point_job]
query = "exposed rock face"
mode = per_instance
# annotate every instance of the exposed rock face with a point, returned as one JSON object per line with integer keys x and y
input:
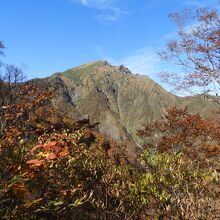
{"x": 120, "y": 101}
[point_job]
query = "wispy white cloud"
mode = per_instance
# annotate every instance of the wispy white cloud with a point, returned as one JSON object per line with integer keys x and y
{"x": 96, "y": 3}
{"x": 110, "y": 15}
{"x": 108, "y": 12}
{"x": 84, "y": 2}
{"x": 143, "y": 61}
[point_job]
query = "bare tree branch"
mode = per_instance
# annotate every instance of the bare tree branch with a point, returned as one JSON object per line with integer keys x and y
{"x": 196, "y": 51}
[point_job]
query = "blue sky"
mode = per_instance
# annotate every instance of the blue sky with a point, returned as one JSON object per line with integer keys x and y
{"x": 47, "y": 36}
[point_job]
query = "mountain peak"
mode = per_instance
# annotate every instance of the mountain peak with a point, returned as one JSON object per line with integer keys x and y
{"x": 96, "y": 63}
{"x": 119, "y": 100}
{"x": 98, "y": 68}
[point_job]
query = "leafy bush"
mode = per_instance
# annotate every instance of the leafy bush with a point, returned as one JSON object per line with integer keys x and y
{"x": 54, "y": 169}
{"x": 170, "y": 185}
{"x": 66, "y": 178}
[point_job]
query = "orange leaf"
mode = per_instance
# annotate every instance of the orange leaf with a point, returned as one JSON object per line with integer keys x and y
{"x": 61, "y": 135}
{"x": 63, "y": 153}
{"x": 34, "y": 163}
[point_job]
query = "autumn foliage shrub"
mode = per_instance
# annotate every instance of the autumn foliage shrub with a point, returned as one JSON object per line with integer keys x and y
{"x": 180, "y": 131}
{"x": 64, "y": 178}
{"x": 62, "y": 175}
{"x": 54, "y": 169}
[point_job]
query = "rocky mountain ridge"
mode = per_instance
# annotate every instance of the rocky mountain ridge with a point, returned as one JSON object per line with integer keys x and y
{"x": 120, "y": 101}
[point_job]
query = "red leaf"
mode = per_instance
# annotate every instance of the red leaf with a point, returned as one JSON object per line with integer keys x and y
{"x": 34, "y": 163}
{"x": 51, "y": 156}
{"x": 53, "y": 148}
{"x": 52, "y": 143}
{"x": 56, "y": 149}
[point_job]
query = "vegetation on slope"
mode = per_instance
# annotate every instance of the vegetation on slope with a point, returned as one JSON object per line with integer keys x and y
{"x": 73, "y": 172}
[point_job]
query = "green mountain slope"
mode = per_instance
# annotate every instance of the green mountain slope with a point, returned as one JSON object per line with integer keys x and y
{"x": 119, "y": 100}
